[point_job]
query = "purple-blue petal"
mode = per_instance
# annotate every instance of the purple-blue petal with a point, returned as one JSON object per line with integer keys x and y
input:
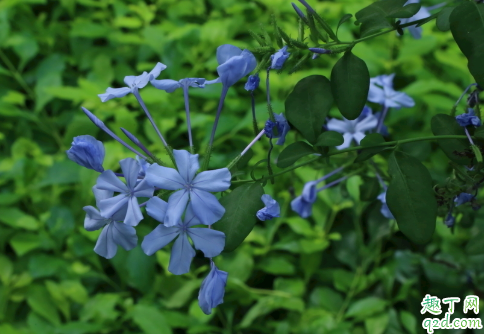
{"x": 112, "y": 93}
{"x": 212, "y": 289}
{"x": 210, "y": 242}
{"x": 176, "y": 206}
{"x": 302, "y": 207}
{"x": 88, "y": 152}
{"x": 206, "y": 206}
{"x": 156, "y": 208}
{"x": 181, "y": 257}
{"x": 159, "y": 238}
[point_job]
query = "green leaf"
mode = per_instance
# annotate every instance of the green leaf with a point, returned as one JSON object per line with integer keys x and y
{"x": 442, "y": 125}
{"x": 467, "y": 27}
{"x": 23, "y": 243}
{"x": 241, "y": 206}
{"x": 17, "y": 219}
{"x": 371, "y": 139}
{"x": 475, "y": 246}
{"x": 406, "y": 12}
{"x": 377, "y": 324}
{"x": 345, "y": 18}
{"x": 150, "y": 320}
{"x": 330, "y": 138}
{"x": 376, "y": 16}
{"x": 443, "y": 19}
{"x": 369, "y": 189}
{"x": 350, "y": 82}
{"x": 308, "y": 105}
{"x": 6, "y": 269}
{"x": 366, "y": 307}
{"x": 40, "y": 301}
{"x": 294, "y": 152}
{"x": 326, "y": 298}
{"x": 410, "y": 197}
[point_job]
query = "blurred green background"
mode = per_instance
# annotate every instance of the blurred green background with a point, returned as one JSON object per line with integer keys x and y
{"x": 344, "y": 270}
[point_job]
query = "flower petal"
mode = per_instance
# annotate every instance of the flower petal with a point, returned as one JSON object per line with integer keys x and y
{"x": 347, "y": 141}
{"x": 376, "y": 95}
{"x": 176, "y": 205}
{"x": 190, "y": 219}
{"x": 210, "y": 242}
{"x": 130, "y": 168}
{"x": 105, "y": 245}
{"x": 302, "y": 207}
{"x": 100, "y": 194}
{"x": 212, "y": 289}
{"x": 112, "y": 93}
{"x": 142, "y": 80}
{"x": 111, "y": 205}
{"x": 339, "y": 126}
{"x": 366, "y": 124}
{"x": 134, "y": 215}
{"x": 187, "y": 164}
{"x": 88, "y": 152}
{"x": 156, "y": 208}
{"x": 358, "y": 136}
{"x": 159, "y": 238}
{"x": 107, "y": 180}
{"x": 164, "y": 177}
{"x": 309, "y": 191}
{"x": 181, "y": 257}
{"x": 206, "y": 206}
{"x": 155, "y": 72}
{"x": 236, "y": 68}
{"x": 213, "y": 180}
{"x": 143, "y": 189}
{"x": 93, "y": 221}
{"x": 167, "y": 85}
{"x": 124, "y": 235}
{"x": 227, "y": 51}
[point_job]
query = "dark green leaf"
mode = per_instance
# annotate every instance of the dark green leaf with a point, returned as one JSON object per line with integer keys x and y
{"x": 406, "y": 12}
{"x": 370, "y": 189}
{"x": 376, "y": 16}
{"x": 442, "y": 125}
{"x": 350, "y": 82}
{"x": 308, "y": 105}
{"x": 330, "y": 138}
{"x": 39, "y": 300}
{"x": 443, "y": 19}
{"x": 411, "y": 198}
{"x": 467, "y": 26}
{"x": 371, "y": 139}
{"x": 475, "y": 246}
{"x": 294, "y": 152}
{"x": 150, "y": 319}
{"x": 345, "y": 18}
{"x": 241, "y": 206}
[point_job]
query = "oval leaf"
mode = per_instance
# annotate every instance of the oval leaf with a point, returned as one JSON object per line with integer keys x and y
{"x": 370, "y": 140}
{"x": 330, "y": 138}
{"x": 443, "y": 19}
{"x": 454, "y": 149}
{"x": 467, "y": 26}
{"x": 294, "y": 152}
{"x": 345, "y": 18}
{"x": 241, "y": 206}
{"x": 308, "y": 105}
{"x": 410, "y": 197}
{"x": 350, "y": 82}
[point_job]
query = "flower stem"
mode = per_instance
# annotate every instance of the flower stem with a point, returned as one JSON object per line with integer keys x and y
{"x": 381, "y": 119}
{"x": 187, "y": 110}
{"x": 254, "y": 120}
{"x": 233, "y": 162}
{"x": 269, "y": 106}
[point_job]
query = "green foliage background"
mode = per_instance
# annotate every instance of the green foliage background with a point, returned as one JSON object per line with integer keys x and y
{"x": 344, "y": 270}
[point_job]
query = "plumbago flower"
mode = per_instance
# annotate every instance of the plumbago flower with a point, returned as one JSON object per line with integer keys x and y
{"x": 354, "y": 129}
{"x": 129, "y": 192}
{"x": 382, "y": 92}
{"x": 197, "y": 189}
{"x": 271, "y": 209}
{"x": 279, "y": 58}
{"x": 252, "y": 82}
{"x": 469, "y": 118}
{"x": 213, "y": 289}
{"x": 234, "y": 64}
{"x": 88, "y": 152}
{"x": 133, "y": 83}
{"x": 282, "y": 127}
{"x": 115, "y": 233}
{"x": 209, "y": 241}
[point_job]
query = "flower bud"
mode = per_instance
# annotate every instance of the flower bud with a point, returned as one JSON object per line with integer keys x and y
{"x": 87, "y": 152}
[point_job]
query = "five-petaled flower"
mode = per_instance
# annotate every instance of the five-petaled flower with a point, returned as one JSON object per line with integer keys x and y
{"x": 354, "y": 129}
{"x": 115, "y": 233}
{"x": 190, "y": 187}
{"x": 303, "y": 204}
{"x": 88, "y": 152}
{"x": 468, "y": 118}
{"x": 209, "y": 241}
{"x": 271, "y": 209}
{"x": 213, "y": 289}
{"x": 382, "y": 92}
{"x": 133, "y": 83}
{"x": 128, "y": 192}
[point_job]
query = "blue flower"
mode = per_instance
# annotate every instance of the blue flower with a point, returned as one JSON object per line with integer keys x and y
{"x": 282, "y": 127}
{"x": 320, "y": 50}
{"x": 469, "y": 118}
{"x": 88, "y": 152}
{"x": 385, "y": 211}
{"x": 299, "y": 12}
{"x": 213, "y": 289}
{"x": 253, "y": 82}
{"x": 463, "y": 198}
{"x": 114, "y": 232}
{"x": 382, "y": 92}
{"x": 128, "y": 192}
{"x": 271, "y": 209}
{"x": 279, "y": 58}
{"x": 194, "y": 188}
{"x": 354, "y": 129}
{"x": 209, "y": 241}
{"x": 170, "y": 86}
{"x": 423, "y": 13}
{"x": 133, "y": 82}
{"x": 234, "y": 64}
{"x": 303, "y": 204}
{"x": 449, "y": 220}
